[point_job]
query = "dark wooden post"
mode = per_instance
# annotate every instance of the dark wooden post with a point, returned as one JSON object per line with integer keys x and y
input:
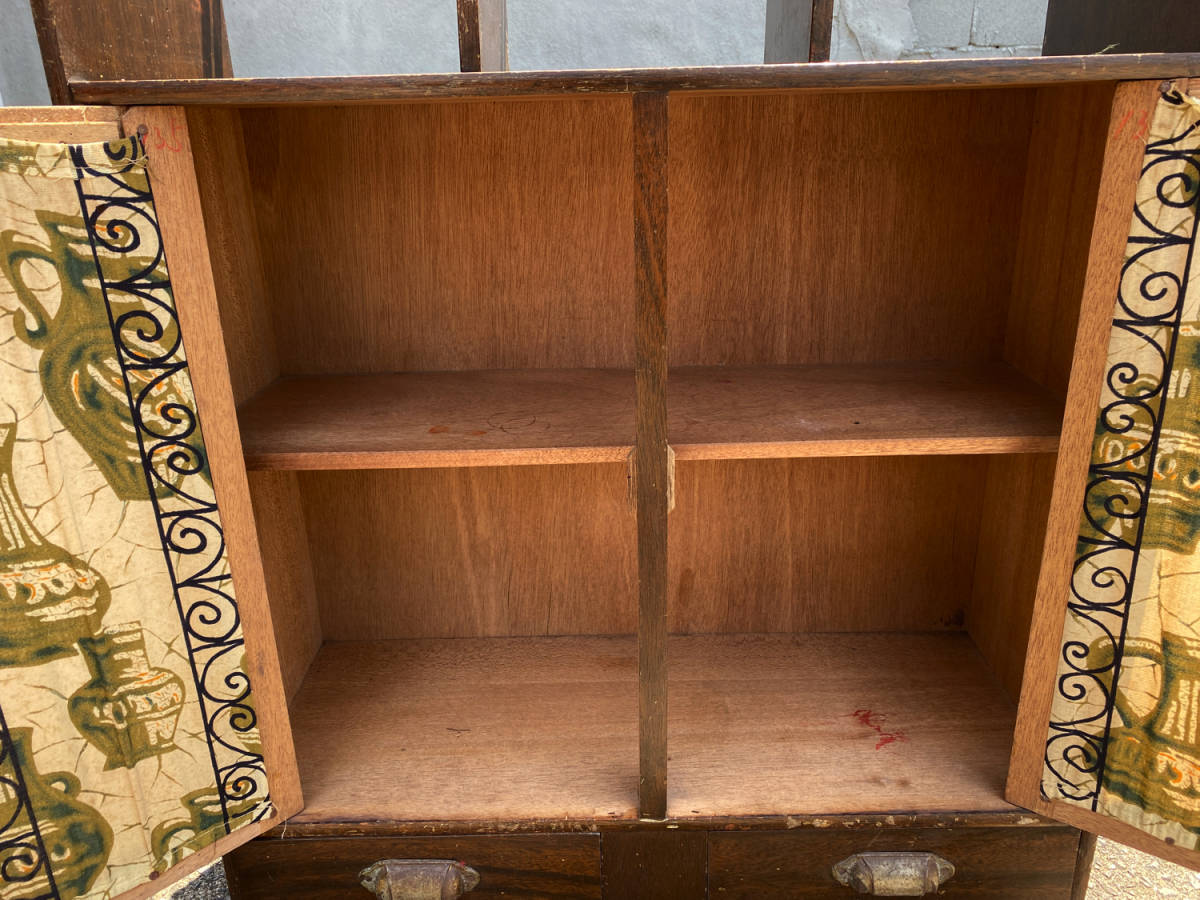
{"x": 651, "y": 455}
{"x": 798, "y": 31}
{"x": 482, "y": 35}
{"x": 124, "y": 39}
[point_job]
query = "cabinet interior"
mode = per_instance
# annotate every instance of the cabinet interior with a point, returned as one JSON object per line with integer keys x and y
{"x": 430, "y": 317}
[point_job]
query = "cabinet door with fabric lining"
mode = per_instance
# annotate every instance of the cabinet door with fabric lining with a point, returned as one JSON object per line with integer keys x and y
{"x": 143, "y": 730}
{"x": 1108, "y": 737}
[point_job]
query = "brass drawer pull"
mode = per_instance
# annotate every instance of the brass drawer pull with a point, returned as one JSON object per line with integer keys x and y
{"x": 894, "y": 874}
{"x": 418, "y": 879}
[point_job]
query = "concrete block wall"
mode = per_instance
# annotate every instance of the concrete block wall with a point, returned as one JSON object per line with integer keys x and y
{"x": 937, "y": 29}
{"x": 317, "y": 37}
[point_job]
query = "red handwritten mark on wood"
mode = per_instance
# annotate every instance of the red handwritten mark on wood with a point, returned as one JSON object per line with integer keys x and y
{"x": 439, "y": 429}
{"x": 874, "y": 721}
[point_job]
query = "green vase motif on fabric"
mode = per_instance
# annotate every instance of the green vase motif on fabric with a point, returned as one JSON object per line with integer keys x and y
{"x": 80, "y": 373}
{"x": 49, "y": 599}
{"x": 76, "y": 837}
{"x": 129, "y": 710}
{"x": 170, "y": 841}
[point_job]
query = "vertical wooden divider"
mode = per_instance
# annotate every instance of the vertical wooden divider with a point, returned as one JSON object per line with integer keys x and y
{"x": 650, "y": 443}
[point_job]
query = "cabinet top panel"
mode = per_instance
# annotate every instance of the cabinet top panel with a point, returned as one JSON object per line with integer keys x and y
{"x": 936, "y": 73}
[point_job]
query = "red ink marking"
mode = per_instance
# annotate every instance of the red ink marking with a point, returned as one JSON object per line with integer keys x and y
{"x": 874, "y": 721}
{"x": 161, "y": 143}
{"x": 439, "y": 429}
{"x": 1143, "y": 128}
{"x": 476, "y": 433}
{"x": 1121, "y": 126}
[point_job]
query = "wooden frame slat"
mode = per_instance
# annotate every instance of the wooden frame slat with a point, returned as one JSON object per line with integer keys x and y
{"x": 483, "y": 35}
{"x": 650, "y": 455}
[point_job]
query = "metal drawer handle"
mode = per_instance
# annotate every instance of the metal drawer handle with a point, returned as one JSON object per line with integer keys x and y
{"x": 418, "y": 879}
{"x": 894, "y": 874}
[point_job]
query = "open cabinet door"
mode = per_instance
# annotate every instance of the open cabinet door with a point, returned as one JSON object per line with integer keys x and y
{"x": 1108, "y": 736}
{"x": 143, "y": 726}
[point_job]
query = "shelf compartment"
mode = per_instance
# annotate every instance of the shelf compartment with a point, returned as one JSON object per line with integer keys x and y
{"x": 819, "y": 724}
{"x": 469, "y": 729}
{"x": 858, "y": 410}
{"x": 440, "y": 419}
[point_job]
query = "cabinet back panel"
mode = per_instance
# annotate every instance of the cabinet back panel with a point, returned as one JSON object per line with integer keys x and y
{"x": 467, "y": 235}
{"x": 476, "y": 552}
{"x": 864, "y": 544}
{"x": 826, "y": 228}
{"x": 1066, "y": 150}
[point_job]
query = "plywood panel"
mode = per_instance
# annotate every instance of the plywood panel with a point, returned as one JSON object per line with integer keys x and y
{"x": 728, "y": 412}
{"x": 534, "y": 550}
{"x": 233, "y": 247}
{"x": 429, "y": 419}
{"x": 469, "y": 729}
{"x": 1066, "y": 150}
{"x": 813, "y": 724}
{"x": 823, "y": 545}
{"x": 1012, "y": 528}
{"x": 452, "y": 236}
{"x": 812, "y": 228}
{"x": 283, "y": 541}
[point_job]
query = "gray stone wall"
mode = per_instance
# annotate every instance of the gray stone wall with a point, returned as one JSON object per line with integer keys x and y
{"x": 333, "y": 37}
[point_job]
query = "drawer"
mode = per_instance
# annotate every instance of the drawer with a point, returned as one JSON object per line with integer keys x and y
{"x": 556, "y": 866}
{"x": 1023, "y": 863}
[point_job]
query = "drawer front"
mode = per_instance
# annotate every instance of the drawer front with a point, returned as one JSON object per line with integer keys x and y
{"x": 1033, "y": 863}
{"x": 558, "y": 866}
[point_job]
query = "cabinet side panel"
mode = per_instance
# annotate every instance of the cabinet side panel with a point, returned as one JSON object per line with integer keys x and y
{"x": 435, "y": 236}
{"x": 876, "y": 544}
{"x": 1066, "y": 152}
{"x": 1011, "y": 531}
{"x": 843, "y": 228}
{"x": 233, "y": 248}
{"x": 477, "y": 552}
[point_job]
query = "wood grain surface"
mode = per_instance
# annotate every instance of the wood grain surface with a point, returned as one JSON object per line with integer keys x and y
{"x": 1034, "y": 863}
{"x": 730, "y": 412}
{"x": 60, "y": 124}
{"x": 422, "y": 420}
{"x": 531, "y": 866}
{"x": 461, "y": 729}
{"x": 536, "y": 416}
{"x": 129, "y": 39}
{"x": 878, "y": 544}
{"x": 1066, "y": 151}
{"x": 530, "y": 550}
{"x": 485, "y": 235}
{"x": 883, "y": 75}
{"x": 655, "y": 865}
{"x": 651, "y": 459}
{"x": 829, "y": 723}
{"x": 786, "y": 248}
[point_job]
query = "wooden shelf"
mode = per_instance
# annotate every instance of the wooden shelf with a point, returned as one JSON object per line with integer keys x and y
{"x": 469, "y": 729}
{"x": 440, "y": 419}
{"x": 834, "y": 723}
{"x": 858, "y": 410}
{"x": 539, "y": 416}
{"x": 523, "y": 728}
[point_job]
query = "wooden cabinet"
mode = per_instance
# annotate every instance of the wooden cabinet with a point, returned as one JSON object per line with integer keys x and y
{"x": 647, "y": 474}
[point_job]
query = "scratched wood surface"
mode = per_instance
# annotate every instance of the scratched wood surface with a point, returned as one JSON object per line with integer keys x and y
{"x": 829, "y": 723}
{"x": 465, "y": 729}
{"x": 528, "y": 550}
